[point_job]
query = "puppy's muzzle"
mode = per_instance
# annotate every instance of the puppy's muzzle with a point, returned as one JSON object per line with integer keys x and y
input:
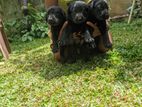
{"x": 105, "y": 14}
{"x": 52, "y": 20}
{"x": 79, "y": 18}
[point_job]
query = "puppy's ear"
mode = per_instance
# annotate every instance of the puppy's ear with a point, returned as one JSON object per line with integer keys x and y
{"x": 106, "y": 1}
{"x": 93, "y": 2}
{"x": 87, "y": 8}
{"x": 70, "y": 8}
{"x": 63, "y": 13}
{"x": 46, "y": 16}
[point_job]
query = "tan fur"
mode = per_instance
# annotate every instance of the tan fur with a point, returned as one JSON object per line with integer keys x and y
{"x": 57, "y": 56}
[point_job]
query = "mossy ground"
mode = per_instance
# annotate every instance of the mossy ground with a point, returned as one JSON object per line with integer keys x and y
{"x": 32, "y": 78}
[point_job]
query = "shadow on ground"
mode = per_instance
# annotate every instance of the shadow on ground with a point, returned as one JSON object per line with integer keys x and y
{"x": 125, "y": 59}
{"x": 41, "y": 61}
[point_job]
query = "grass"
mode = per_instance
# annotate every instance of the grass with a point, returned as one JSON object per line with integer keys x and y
{"x": 32, "y": 78}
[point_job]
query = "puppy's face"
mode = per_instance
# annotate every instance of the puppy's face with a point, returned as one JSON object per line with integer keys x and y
{"x": 100, "y": 9}
{"x": 78, "y": 12}
{"x": 55, "y": 16}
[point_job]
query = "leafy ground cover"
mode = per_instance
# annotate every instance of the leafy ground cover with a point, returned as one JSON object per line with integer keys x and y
{"x": 32, "y": 78}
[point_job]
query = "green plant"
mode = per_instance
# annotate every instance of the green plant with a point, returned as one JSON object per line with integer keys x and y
{"x": 28, "y": 27}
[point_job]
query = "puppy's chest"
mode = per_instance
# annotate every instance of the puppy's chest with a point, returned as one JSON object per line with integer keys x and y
{"x": 78, "y": 28}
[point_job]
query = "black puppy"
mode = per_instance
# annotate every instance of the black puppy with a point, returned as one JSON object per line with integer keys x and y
{"x": 77, "y": 16}
{"x": 99, "y": 13}
{"x": 55, "y": 17}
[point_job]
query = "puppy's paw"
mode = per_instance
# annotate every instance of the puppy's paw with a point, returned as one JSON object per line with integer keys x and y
{"x": 55, "y": 48}
{"x": 108, "y": 45}
{"x": 107, "y": 41}
{"x": 61, "y": 43}
{"x": 89, "y": 40}
{"x": 93, "y": 45}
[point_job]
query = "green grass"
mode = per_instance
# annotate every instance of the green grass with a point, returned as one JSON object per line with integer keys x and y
{"x": 32, "y": 78}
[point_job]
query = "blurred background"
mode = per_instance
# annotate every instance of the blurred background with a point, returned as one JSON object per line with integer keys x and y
{"x": 33, "y": 25}
{"x": 11, "y": 8}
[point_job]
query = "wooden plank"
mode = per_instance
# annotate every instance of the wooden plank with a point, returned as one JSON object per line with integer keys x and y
{"x": 4, "y": 44}
{"x": 3, "y": 47}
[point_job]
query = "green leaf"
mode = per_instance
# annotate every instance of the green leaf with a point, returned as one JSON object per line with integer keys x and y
{"x": 30, "y": 38}
{"x": 24, "y": 38}
{"x": 43, "y": 35}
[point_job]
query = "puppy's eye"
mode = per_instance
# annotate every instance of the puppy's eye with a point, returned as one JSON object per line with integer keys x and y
{"x": 105, "y": 5}
{"x": 101, "y": 7}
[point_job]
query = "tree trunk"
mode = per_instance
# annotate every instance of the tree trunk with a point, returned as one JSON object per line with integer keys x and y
{"x": 49, "y": 3}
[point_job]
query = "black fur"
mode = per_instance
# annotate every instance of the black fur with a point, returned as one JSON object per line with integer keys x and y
{"x": 77, "y": 15}
{"x": 55, "y": 17}
{"x": 99, "y": 13}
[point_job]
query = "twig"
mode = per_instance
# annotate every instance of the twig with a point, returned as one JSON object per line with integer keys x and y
{"x": 118, "y": 17}
{"x": 131, "y": 13}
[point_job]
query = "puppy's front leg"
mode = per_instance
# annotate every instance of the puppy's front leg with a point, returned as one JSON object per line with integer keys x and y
{"x": 89, "y": 39}
{"x": 105, "y": 36}
{"x": 55, "y": 40}
{"x": 65, "y": 36}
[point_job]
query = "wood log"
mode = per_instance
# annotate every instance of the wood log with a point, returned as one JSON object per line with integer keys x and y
{"x": 49, "y": 3}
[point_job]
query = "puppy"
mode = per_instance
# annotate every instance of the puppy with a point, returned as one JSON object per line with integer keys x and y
{"x": 55, "y": 17}
{"x": 77, "y": 17}
{"x": 99, "y": 13}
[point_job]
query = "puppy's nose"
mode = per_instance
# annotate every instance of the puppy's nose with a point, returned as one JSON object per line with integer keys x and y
{"x": 50, "y": 19}
{"x": 79, "y": 18}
